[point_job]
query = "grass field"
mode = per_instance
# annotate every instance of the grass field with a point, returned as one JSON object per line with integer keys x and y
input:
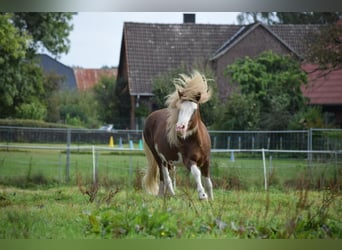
{"x": 37, "y": 202}
{"x": 65, "y": 212}
{"x": 29, "y": 167}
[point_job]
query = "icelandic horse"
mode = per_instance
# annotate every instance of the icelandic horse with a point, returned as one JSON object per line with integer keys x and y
{"x": 177, "y": 134}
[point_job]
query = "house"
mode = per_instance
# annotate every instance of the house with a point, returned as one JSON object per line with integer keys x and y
{"x": 74, "y": 78}
{"x": 149, "y": 50}
{"x": 52, "y": 66}
{"x": 87, "y": 78}
{"x": 324, "y": 89}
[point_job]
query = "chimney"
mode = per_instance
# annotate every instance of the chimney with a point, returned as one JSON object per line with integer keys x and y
{"x": 189, "y": 18}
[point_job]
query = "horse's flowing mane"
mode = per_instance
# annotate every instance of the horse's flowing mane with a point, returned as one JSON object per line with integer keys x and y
{"x": 192, "y": 88}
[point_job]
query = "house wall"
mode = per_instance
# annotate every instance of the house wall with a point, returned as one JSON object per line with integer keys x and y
{"x": 252, "y": 45}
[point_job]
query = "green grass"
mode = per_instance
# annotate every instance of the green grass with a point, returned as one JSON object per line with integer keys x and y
{"x": 30, "y": 167}
{"x": 36, "y": 202}
{"x": 65, "y": 212}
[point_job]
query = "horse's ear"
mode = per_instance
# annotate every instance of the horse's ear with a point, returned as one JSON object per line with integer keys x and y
{"x": 180, "y": 94}
{"x": 198, "y": 97}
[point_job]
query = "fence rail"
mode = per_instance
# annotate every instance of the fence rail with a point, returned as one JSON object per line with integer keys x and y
{"x": 311, "y": 139}
{"x": 67, "y": 163}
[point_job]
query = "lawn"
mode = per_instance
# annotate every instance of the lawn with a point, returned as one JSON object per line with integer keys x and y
{"x": 36, "y": 201}
{"x": 27, "y": 167}
{"x": 66, "y": 213}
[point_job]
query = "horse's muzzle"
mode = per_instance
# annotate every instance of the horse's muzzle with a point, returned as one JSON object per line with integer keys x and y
{"x": 181, "y": 130}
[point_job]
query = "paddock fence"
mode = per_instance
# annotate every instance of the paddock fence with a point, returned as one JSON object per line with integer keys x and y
{"x": 311, "y": 139}
{"x": 239, "y": 159}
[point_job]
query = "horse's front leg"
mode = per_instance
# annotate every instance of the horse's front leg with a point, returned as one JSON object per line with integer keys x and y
{"x": 196, "y": 173}
{"x": 207, "y": 181}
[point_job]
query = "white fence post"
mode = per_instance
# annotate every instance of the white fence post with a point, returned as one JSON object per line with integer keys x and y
{"x": 94, "y": 165}
{"x": 264, "y": 163}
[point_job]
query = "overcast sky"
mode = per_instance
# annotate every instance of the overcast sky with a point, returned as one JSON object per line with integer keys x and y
{"x": 96, "y": 37}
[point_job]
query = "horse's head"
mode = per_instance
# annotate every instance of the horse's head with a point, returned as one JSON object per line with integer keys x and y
{"x": 186, "y": 121}
{"x": 183, "y": 105}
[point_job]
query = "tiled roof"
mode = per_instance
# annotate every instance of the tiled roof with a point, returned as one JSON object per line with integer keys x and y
{"x": 295, "y": 35}
{"x": 323, "y": 89}
{"x": 153, "y": 49}
{"x": 87, "y": 78}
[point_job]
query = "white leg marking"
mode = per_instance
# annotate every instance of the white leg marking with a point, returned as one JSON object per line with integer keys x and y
{"x": 166, "y": 176}
{"x": 161, "y": 191}
{"x": 167, "y": 179}
{"x": 197, "y": 175}
{"x": 209, "y": 186}
{"x": 174, "y": 176}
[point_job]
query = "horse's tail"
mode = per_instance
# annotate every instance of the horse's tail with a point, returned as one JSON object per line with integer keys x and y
{"x": 150, "y": 179}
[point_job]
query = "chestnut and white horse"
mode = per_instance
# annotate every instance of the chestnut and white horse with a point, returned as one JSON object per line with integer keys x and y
{"x": 177, "y": 134}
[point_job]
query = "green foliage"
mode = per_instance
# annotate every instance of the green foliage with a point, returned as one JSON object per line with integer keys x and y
{"x": 33, "y": 110}
{"x": 289, "y": 17}
{"x": 48, "y": 29}
{"x": 78, "y": 108}
{"x": 162, "y": 86}
{"x": 21, "y": 79}
{"x": 31, "y": 123}
{"x": 308, "y": 17}
{"x": 106, "y": 99}
{"x": 309, "y": 117}
{"x": 23, "y": 93}
{"x": 325, "y": 47}
{"x": 273, "y": 82}
{"x": 142, "y": 110}
{"x": 272, "y": 215}
{"x": 241, "y": 112}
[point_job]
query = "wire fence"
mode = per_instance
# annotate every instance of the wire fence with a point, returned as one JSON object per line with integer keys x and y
{"x": 239, "y": 158}
{"x": 311, "y": 139}
{"x": 29, "y": 164}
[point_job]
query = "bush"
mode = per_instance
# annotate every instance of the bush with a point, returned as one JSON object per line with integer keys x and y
{"x": 32, "y": 123}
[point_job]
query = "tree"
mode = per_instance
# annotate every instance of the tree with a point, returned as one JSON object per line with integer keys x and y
{"x": 78, "y": 108}
{"x": 47, "y": 29}
{"x": 240, "y": 112}
{"x": 21, "y": 82}
{"x": 52, "y": 83}
{"x": 289, "y": 17}
{"x": 106, "y": 99}
{"x": 325, "y": 48}
{"x": 311, "y": 117}
{"x": 275, "y": 82}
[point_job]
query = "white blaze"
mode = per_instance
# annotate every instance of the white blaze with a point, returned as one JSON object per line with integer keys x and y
{"x": 186, "y": 109}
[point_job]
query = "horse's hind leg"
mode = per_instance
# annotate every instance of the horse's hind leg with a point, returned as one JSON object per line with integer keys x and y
{"x": 167, "y": 178}
{"x": 209, "y": 186}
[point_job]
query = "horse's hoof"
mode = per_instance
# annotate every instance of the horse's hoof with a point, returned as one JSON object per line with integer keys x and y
{"x": 203, "y": 196}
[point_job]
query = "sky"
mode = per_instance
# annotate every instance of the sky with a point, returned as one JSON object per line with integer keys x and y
{"x": 96, "y": 37}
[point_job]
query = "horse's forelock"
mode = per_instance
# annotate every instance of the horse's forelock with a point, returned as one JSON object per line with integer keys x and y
{"x": 190, "y": 88}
